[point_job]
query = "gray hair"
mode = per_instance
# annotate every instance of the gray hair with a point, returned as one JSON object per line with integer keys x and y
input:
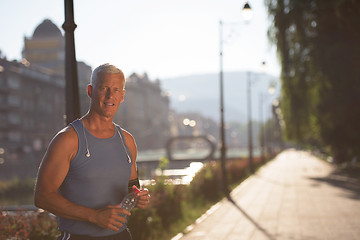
{"x": 104, "y": 68}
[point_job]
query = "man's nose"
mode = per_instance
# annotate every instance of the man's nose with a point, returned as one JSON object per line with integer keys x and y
{"x": 109, "y": 93}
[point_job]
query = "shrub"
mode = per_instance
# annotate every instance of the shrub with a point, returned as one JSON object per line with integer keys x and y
{"x": 16, "y": 191}
{"x": 207, "y": 182}
{"x": 145, "y": 224}
{"x": 237, "y": 170}
{"x": 24, "y": 225}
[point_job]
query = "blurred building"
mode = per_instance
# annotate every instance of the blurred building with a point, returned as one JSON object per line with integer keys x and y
{"x": 193, "y": 124}
{"x": 31, "y": 112}
{"x": 32, "y": 100}
{"x": 46, "y": 49}
{"x": 84, "y": 75}
{"x": 145, "y": 112}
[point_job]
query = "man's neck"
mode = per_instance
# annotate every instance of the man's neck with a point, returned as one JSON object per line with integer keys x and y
{"x": 99, "y": 126}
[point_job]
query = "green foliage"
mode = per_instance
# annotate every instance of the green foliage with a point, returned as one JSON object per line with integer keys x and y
{"x": 167, "y": 201}
{"x": 150, "y": 227}
{"x": 166, "y": 208}
{"x": 207, "y": 182}
{"x": 319, "y": 52}
{"x": 237, "y": 170}
{"x": 164, "y": 161}
{"x": 25, "y": 226}
{"x": 16, "y": 191}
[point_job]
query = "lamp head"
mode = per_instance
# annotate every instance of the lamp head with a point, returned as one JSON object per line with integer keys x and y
{"x": 247, "y": 12}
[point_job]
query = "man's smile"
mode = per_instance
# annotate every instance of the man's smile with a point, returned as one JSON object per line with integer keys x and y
{"x": 109, "y": 104}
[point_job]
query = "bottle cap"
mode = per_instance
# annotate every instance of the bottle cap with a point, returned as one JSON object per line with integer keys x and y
{"x": 135, "y": 189}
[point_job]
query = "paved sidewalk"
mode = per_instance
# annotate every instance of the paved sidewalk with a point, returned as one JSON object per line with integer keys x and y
{"x": 295, "y": 196}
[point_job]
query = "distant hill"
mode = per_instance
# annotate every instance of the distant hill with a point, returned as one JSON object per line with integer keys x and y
{"x": 201, "y": 93}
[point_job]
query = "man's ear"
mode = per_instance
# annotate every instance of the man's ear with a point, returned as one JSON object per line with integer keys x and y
{"x": 122, "y": 97}
{"x": 89, "y": 91}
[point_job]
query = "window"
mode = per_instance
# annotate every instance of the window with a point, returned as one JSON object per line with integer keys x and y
{"x": 14, "y": 118}
{"x": 2, "y": 81}
{"x": 3, "y": 119}
{"x": 2, "y": 99}
{"x": 13, "y": 100}
{"x": 14, "y": 82}
{"x": 29, "y": 104}
{"x": 14, "y": 136}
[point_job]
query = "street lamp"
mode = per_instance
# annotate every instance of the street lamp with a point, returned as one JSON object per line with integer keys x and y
{"x": 247, "y": 12}
{"x": 262, "y": 100}
{"x": 72, "y": 110}
{"x": 250, "y": 135}
{"x": 247, "y": 15}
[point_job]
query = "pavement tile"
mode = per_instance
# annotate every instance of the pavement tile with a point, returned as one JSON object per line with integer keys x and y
{"x": 294, "y": 197}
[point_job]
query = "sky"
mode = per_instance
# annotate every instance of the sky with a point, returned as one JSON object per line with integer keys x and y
{"x": 163, "y": 38}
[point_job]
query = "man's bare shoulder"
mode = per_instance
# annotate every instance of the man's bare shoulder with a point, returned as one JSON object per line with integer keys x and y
{"x": 66, "y": 136}
{"x": 130, "y": 142}
{"x": 67, "y": 132}
{"x": 126, "y": 133}
{"x": 128, "y": 136}
{"x": 65, "y": 143}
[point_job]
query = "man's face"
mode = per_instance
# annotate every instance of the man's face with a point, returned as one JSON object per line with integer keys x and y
{"x": 107, "y": 94}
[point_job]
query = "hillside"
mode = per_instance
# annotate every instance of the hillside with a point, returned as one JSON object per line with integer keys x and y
{"x": 200, "y": 93}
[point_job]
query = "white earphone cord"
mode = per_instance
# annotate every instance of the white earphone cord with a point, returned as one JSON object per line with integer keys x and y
{"x": 86, "y": 142}
{"x": 122, "y": 141}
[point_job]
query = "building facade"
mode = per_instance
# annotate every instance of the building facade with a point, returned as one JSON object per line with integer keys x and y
{"x": 32, "y": 100}
{"x": 46, "y": 47}
{"x": 31, "y": 112}
{"x": 145, "y": 112}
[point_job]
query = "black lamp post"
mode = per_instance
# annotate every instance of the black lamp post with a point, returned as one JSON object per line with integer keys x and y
{"x": 250, "y": 140}
{"x": 247, "y": 15}
{"x": 222, "y": 122}
{"x": 72, "y": 110}
{"x": 262, "y": 118}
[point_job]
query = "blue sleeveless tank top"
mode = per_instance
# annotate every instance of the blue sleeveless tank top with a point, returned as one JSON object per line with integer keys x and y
{"x": 96, "y": 181}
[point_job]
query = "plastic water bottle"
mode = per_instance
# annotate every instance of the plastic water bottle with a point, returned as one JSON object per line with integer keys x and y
{"x": 130, "y": 200}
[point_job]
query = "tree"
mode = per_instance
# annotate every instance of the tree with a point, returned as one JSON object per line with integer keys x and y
{"x": 318, "y": 46}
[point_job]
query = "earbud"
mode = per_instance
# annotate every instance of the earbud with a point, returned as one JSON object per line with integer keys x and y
{"x": 87, "y": 148}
